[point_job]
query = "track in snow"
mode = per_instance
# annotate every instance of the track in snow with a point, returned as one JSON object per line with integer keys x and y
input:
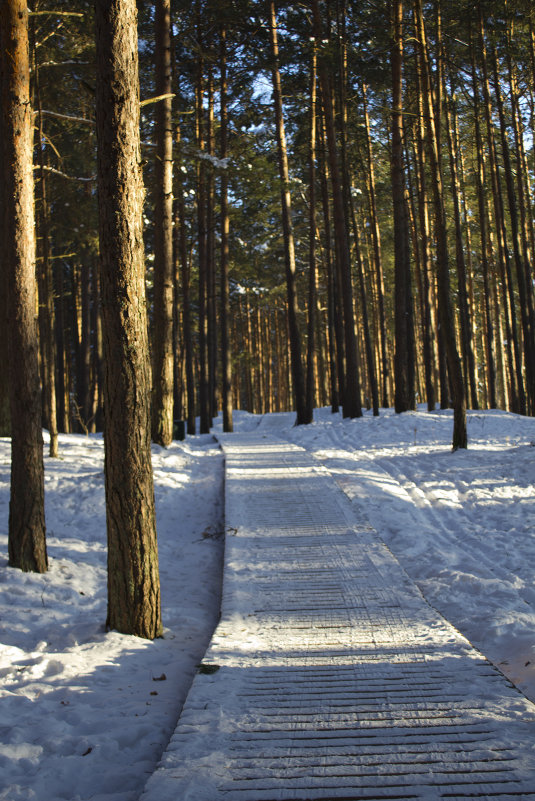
{"x": 329, "y": 676}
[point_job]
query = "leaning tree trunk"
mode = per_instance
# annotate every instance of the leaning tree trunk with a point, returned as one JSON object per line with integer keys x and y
{"x": 27, "y": 539}
{"x": 162, "y": 345}
{"x": 133, "y": 580}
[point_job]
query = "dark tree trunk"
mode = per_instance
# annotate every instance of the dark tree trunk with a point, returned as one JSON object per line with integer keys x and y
{"x": 404, "y": 398}
{"x": 226, "y": 367}
{"x": 27, "y": 538}
{"x": 162, "y": 343}
{"x": 312, "y": 269}
{"x": 133, "y": 580}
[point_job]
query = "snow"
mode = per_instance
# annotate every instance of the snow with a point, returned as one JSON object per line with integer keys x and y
{"x": 87, "y": 713}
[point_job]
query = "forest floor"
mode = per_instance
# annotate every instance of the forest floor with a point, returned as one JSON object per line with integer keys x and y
{"x": 87, "y": 713}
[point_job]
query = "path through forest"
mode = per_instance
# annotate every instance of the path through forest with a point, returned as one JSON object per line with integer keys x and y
{"x": 329, "y": 675}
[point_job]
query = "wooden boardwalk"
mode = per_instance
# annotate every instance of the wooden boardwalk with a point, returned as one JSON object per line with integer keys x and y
{"x": 329, "y": 676}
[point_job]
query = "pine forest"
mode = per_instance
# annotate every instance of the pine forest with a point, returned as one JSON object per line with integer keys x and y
{"x": 338, "y": 208}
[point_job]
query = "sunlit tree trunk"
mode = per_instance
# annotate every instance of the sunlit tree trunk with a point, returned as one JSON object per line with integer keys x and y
{"x": 27, "y": 538}
{"x": 447, "y": 321}
{"x": 352, "y": 404}
{"x": 289, "y": 248}
{"x": 162, "y": 342}
{"x": 133, "y": 578}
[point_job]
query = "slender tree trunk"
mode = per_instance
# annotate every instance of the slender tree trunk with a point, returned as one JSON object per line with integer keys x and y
{"x": 133, "y": 580}
{"x": 162, "y": 343}
{"x": 27, "y": 537}
{"x": 352, "y": 404}
{"x": 289, "y": 249}
{"x": 376, "y": 239}
{"x": 46, "y": 302}
{"x": 211, "y": 311}
{"x": 430, "y": 352}
{"x": 443, "y": 278}
{"x": 312, "y": 269}
{"x": 404, "y": 399}
{"x": 226, "y": 355}
{"x": 466, "y": 327}
{"x": 202, "y": 247}
{"x": 182, "y": 256}
{"x": 336, "y": 359}
{"x": 483, "y": 226}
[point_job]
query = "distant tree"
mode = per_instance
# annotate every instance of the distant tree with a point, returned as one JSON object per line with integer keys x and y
{"x": 27, "y": 539}
{"x": 133, "y": 578}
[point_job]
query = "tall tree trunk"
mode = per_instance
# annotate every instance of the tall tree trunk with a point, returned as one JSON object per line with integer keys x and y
{"x": 376, "y": 239}
{"x": 447, "y": 321}
{"x": 404, "y": 399}
{"x": 162, "y": 343}
{"x": 289, "y": 249}
{"x": 430, "y": 350}
{"x": 202, "y": 245}
{"x": 483, "y": 228}
{"x": 226, "y": 355}
{"x": 27, "y": 537}
{"x": 46, "y": 301}
{"x": 464, "y": 312}
{"x": 312, "y": 269}
{"x": 352, "y": 404}
{"x": 181, "y": 253}
{"x": 133, "y": 579}
{"x": 524, "y": 283}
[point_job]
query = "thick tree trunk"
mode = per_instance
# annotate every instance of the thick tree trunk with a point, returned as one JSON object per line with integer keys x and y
{"x": 5, "y": 417}
{"x": 27, "y": 541}
{"x": 289, "y": 251}
{"x": 133, "y": 580}
{"x": 162, "y": 342}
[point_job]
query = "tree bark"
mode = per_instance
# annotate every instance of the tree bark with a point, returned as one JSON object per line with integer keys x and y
{"x": 162, "y": 343}
{"x": 447, "y": 321}
{"x": 289, "y": 249}
{"x": 404, "y": 399}
{"x": 133, "y": 580}
{"x": 352, "y": 404}
{"x": 27, "y": 536}
{"x": 226, "y": 365}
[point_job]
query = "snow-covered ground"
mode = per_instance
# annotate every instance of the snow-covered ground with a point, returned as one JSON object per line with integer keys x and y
{"x": 86, "y": 714}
